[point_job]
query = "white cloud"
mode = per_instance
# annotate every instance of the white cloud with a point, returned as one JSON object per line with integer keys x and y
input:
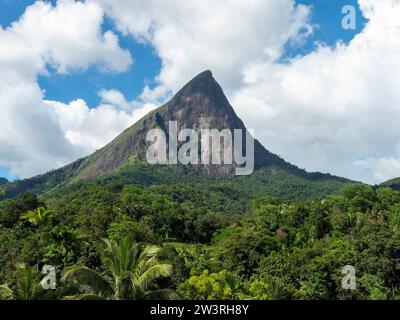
{"x": 381, "y": 169}
{"x": 89, "y": 129}
{"x": 224, "y": 36}
{"x": 333, "y": 110}
{"x": 68, "y": 37}
{"x": 115, "y": 98}
{"x": 29, "y": 140}
{"x": 37, "y": 135}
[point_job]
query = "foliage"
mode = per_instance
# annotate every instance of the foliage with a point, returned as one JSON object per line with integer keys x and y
{"x": 27, "y": 286}
{"x": 224, "y": 240}
{"x": 130, "y": 273}
{"x": 215, "y": 286}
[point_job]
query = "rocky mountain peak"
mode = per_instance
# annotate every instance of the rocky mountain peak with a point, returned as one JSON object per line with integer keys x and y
{"x": 200, "y": 104}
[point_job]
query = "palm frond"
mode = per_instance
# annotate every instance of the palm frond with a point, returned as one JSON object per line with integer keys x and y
{"x": 150, "y": 275}
{"x": 149, "y": 252}
{"x": 30, "y": 216}
{"x": 27, "y": 282}
{"x": 110, "y": 257}
{"x": 85, "y": 276}
{"x": 6, "y": 292}
{"x": 147, "y": 259}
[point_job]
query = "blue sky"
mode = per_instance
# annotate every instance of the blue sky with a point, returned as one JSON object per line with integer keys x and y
{"x": 326, "y": 14}
{"x": 86, "y": 85}
{"x": 146, "y": 65}
{"x": 325, "y": 18}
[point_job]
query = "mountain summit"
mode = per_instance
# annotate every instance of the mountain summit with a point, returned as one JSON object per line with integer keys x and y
{"x": 200, "y": 104}
{"x": 203, "y": 97}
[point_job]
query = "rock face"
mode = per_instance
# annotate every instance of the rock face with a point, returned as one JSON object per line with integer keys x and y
{"x": 200, "y": 104}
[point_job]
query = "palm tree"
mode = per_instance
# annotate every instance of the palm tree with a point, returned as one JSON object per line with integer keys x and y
{"x": 234, "y": 284}
{"x": 40, "y": 218}
{"x": 27, "y": 287}
{"x": 6, "y": 293}
{"x": 130, "y": 273}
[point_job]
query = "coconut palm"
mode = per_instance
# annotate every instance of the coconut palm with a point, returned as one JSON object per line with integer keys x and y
{"x": 40, "y": 217}
{"x": 6, "y": 293}
{"x": 131, "y": 272}
{"x": 27, "y": 286}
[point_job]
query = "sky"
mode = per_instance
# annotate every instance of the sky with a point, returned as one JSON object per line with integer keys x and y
{"x": 74, "y": 74}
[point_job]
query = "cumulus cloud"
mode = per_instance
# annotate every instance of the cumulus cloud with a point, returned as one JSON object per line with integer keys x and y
{"x": 116, "y": 98}
{"x": 336, "y": 109}
{"x": 224, "y": 36}
{"x": 90, "y": 128}
{"x": 189, "y": 36}
{"x": 29, "y": 140}
{"x": 67, "y": 37}
{"x": 37, "y": 135}
{"x": 333, "y": 110}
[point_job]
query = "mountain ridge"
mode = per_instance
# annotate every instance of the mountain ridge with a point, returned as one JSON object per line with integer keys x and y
{"x": 201, "y": 103}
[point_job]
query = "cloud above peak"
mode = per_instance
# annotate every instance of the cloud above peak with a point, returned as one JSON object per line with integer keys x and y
{"x": 67, "y": 37}
{"x": 224, "y": 36}
{"x": 64, "y": 38}
{"x": 188, "y": 36}
{"x": 333, "y": 110}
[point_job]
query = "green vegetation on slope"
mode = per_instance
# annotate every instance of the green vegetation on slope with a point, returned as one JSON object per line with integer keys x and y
{"x": 221, "y": 242}
{"x": 393, "y": 183}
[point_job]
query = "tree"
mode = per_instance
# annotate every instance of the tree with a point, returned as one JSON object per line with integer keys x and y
{"x": 40, "y": 217}
{"x": 131, "y": 272}
{"x": 27, "y": 287}
{"x": 258, "y": 290}
{"x": 361, "y": 196}
{"x": 12, "y": 209}
{"x": 222, "y": 286}
{"x": 125, "y": 226}
{"x": 64, "y": 247}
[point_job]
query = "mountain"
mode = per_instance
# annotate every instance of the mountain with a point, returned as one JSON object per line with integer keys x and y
{"x": 200, "y": 104}
{"x": 392, "y": 183}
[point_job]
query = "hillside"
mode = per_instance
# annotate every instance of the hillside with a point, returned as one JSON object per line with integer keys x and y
{"x": 392, "y": 183}
{"x": 199, "y": 104}
{"x": 279, "y": 233}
